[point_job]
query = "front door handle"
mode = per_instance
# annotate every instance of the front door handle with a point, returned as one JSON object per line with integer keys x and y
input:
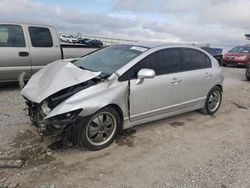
{"x": 175, "y": 80}
{"x": 23, "y": 54}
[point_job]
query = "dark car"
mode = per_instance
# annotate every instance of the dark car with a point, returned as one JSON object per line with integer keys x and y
{"x": 91, "y": 43}
{"x": 85, "y": 41}
{"x": 238, "y": 56}
{"x": 96, "y": 43}
{"x": 215, "y": 53}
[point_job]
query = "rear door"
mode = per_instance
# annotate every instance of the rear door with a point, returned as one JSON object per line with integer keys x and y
{"x": 198, "y": 77}
{"x": 14, "y": 52}
{"x": 45, "y": 46}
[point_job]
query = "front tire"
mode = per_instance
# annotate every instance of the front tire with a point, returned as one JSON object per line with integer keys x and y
{"x": 213, "y": 101}
{"x": 99, "y": 129}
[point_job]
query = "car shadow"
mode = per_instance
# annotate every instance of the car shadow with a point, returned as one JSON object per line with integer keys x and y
{"x": 9, "y": 86}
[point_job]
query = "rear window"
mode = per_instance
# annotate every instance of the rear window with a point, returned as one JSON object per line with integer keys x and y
{"x": 40, "y": 37}
{"x": 240, "y": 49}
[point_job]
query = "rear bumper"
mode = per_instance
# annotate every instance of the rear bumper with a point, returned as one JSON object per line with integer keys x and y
{"x": 234, "y": 62}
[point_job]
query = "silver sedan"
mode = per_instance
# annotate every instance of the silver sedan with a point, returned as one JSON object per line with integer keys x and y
{"x": 91, "y": 99}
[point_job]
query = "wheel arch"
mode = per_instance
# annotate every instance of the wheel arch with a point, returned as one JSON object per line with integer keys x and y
{"x": 118, "y": 109}
{"x": 220, "y": 86}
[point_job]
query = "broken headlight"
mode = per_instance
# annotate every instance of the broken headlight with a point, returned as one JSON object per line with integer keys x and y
{"x": 67, "y": 116}
{"x": 45, "y": 108}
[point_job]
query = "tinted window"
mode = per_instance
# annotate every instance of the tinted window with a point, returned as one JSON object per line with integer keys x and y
{"x": 40, "y": 37}
{"x": 194, "y": 59}
{"x": 162, "y": 62}
{"x": 240, "y": 49}
{"x": 11, "y": 36}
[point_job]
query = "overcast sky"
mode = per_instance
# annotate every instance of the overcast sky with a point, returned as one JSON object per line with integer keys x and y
{"x": 221, "y": 23}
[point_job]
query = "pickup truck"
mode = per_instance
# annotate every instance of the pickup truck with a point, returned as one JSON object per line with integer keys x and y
{"x": 29, "y": 47}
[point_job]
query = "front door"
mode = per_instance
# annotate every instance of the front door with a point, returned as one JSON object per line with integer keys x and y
{"x": 161, "y": 94}
{"x": 14, "y": 53}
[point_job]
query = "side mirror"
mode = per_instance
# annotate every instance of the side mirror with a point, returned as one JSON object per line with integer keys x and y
{"x": 144, "y": 73}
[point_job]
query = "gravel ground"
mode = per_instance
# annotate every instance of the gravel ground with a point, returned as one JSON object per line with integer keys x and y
{"x": 189, "y": 150}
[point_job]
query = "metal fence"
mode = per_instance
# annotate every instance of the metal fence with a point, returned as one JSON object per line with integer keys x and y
{"x": 107, "y": 41}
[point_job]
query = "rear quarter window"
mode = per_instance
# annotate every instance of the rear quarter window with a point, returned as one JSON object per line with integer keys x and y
{"x": 194, "y": 60}
{"x": 40, "y": 37}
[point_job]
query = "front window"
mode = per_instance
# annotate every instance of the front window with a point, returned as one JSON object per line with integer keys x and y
{"x": 11, "y": 36}
{"x": 108, "y": 60}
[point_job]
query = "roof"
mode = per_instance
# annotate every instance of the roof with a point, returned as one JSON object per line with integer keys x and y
{"x": 157, "y": 44}
{"x": 23, "y": 23}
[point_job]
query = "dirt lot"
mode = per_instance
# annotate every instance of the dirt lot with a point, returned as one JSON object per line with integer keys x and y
{"x": 190, "y": 150}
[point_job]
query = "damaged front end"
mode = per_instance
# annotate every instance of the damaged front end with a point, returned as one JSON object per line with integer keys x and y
{"x": 43, "y": 94}
{"x": 58, "y": 126}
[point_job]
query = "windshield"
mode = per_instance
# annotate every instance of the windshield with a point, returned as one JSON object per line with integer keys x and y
{"x": 108, "y": 60}
{"x": 240, "y": 49}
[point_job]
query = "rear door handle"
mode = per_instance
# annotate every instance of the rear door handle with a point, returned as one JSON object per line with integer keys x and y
{"x": 175, "y": 80}
{"x": 23, "y": 54}
{"x": 207, "y": 75}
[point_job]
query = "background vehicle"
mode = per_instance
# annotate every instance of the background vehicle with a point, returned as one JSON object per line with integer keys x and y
{"x": 85, "y": 41}
{"x": 68, "y": 38}
{"x": 28, "y": 47}
{"x": 91, "y": 43}
{"x": 121, "y": 86}
{"x": 217, "y": 54}
{"x": 238, "y": 56}
{"x": 96, "y": 43}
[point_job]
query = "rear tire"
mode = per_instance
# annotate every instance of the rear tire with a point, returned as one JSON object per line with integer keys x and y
{"x": 99, "y": 130}
{"x": 213, "y": 101}
{"x": 248, "y": 73}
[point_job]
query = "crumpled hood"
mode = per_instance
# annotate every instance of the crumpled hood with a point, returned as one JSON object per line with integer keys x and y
{"x": 53, "y": 78}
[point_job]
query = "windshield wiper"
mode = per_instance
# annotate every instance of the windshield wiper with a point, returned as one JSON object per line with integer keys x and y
{"x": 104, "y": 75}
{"x": 84, "y": 68}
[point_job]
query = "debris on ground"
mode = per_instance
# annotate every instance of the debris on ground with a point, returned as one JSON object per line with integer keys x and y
{"x": 60, "y": 144}
{"x": 176, "y": 124}
{"x": 126, "y": 137}
{"x": 11, "y": 163}
{"x": 50, "y": 186}
{"x": 239, "y": 105}
{"x": 12, "y": 185}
